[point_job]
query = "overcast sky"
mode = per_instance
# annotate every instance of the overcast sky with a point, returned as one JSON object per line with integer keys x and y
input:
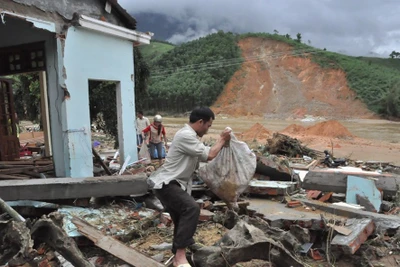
{"x": 355, "y": 27}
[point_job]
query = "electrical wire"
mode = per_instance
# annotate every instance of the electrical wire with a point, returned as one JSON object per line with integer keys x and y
{"x": 225, "y": 63}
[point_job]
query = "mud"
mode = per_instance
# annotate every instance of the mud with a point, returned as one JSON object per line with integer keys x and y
{"x": 275, "y": 84}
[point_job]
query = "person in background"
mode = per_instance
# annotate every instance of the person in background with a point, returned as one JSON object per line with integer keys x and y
{"x": 157, "y": 135}
{"x": 141, "y": 123}
{"x": 172, "y": 182}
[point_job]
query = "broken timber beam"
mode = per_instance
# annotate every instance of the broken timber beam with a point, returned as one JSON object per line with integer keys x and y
{"x": 11, "y": 177}
{"x": 26, "y": 162}
{"x": 335, "y": 180}
{"x": 21, "y": 170}
{"x": 113, "y": 246}
{"x": 15, "y": 215}
{"x": 69, "y": 188}
{"x": 98, "y": 158}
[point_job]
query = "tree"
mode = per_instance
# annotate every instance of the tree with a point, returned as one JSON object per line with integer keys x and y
{"x": 276, "y": 31}
{"x": 298, "y": 35}
{"x": 287, "y": 36}
{"x": 26, "y": 91}
{"x": 309, "y": 42}
{"x": 394, "y": 54}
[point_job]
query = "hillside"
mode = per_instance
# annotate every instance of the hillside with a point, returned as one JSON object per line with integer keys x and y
{"x": 154, "y": 50}
{"x": 285, "y": 86}
{"x": 271, "y": 76}
{"x": 386, "y": 62}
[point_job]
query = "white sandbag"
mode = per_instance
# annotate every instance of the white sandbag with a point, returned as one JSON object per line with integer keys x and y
{"x": 228, "y": 175}
{"x": 145, "y": 153}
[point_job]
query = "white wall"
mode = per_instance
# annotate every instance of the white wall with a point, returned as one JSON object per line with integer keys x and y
{"x": 93, "y": 56}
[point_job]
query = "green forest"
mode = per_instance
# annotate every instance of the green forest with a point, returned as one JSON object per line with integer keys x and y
{"x": 189, "y": 75}
{"x": 195, "y": 73}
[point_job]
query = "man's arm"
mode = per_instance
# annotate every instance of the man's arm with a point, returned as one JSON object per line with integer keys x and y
{"x": 216, "y": 148}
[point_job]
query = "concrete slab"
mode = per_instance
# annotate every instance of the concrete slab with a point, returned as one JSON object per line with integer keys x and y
{"x": 382, "y": 221}
{"x": 361, "y": 230}
{"x": 70, "y": 188}
{"x": 278, "y": 215}
{"x": 271, "y": 188}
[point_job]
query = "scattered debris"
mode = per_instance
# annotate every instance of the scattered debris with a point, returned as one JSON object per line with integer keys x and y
{"x": 281, "y": 144}
{"x": 319, "y": 211}
{"x": 114, "y": 246}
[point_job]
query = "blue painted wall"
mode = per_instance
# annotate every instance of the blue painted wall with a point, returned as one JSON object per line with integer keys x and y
{"x": 88, "y": 56}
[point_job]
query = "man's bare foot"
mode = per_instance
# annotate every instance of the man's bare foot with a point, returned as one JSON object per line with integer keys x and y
{"x": 180, "y": 258}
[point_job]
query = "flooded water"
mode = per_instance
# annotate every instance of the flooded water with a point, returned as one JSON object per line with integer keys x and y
{"x": 382, "y": 130}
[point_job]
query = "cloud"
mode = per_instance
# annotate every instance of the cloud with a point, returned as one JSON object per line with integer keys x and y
{"x": 355, "y": 26}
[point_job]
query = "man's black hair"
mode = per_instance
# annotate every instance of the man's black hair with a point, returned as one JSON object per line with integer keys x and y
{"x": 202, "y": 113}
{"x": 140, "y": 112}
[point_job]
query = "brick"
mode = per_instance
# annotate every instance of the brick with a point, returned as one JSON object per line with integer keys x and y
{"x": 313, "y": 194}
{"x": 315, "y": 255}
{"x": 205, "y": 215}
{"x": 294, "y": 204}
{"x": 326, "y": 197}
{"x": 361, "y": 230}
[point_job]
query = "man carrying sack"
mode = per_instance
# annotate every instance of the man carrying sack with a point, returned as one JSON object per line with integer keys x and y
{"x": 172, "y": 182}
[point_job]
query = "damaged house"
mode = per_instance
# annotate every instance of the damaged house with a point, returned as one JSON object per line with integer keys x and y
{"x": 69, "y": 43}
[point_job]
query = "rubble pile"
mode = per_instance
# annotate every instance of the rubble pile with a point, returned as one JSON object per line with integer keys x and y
{"x": 301, "y": 208}
{"x": 281, "y": 144}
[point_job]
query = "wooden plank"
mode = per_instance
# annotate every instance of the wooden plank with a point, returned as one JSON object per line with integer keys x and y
{"x": 13, "y": 166}
{"x": 26, "y": 162}
{"x": 98, "y": 158}
{"x": 15, "y": 215}
{"x": 113, "y": 246}
{"x": 12, "y": 177}
{"x": 32, "y": 174}
{"x": 21, "y": 170}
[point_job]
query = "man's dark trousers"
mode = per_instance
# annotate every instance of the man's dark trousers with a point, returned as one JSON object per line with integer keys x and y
{"x": 184, "y": 213}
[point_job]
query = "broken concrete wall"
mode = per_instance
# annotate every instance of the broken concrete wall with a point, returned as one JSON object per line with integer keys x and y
{"x": 88, "y": 56}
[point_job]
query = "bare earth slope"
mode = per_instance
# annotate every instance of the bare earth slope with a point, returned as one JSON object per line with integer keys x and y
{"x": 284, "y": 86}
